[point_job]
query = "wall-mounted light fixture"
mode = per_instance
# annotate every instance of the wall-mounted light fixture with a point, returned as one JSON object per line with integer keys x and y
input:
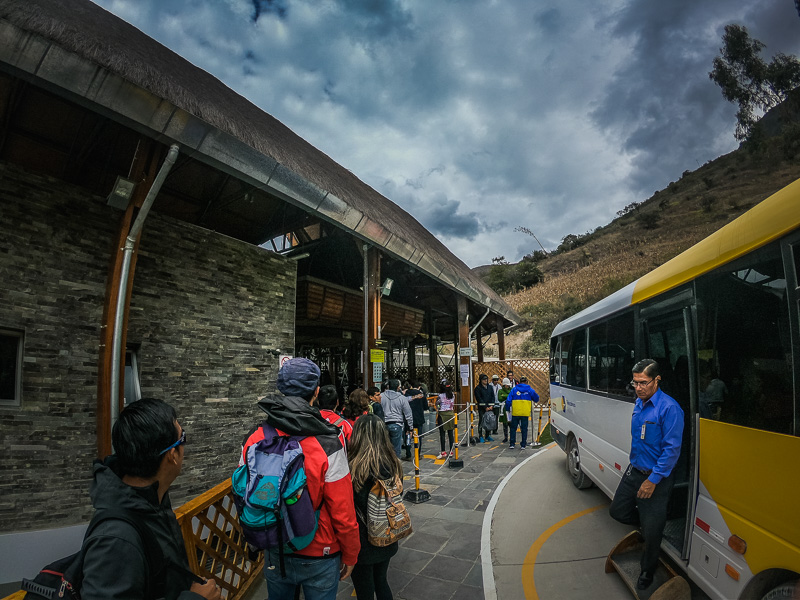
{"x": 386, "y": 288}
{"x": 121, "y": 193}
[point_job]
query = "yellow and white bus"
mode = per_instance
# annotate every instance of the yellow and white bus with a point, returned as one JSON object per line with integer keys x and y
{"x": 723, "y": 321}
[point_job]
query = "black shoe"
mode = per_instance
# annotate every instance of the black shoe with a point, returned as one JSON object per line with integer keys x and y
{"x": 645, "y": 580}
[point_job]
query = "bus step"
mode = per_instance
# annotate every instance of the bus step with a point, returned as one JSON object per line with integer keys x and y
{"x": 624, "y": 559}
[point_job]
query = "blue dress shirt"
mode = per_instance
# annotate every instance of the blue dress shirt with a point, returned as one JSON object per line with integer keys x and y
{"x": 656, "y": 433}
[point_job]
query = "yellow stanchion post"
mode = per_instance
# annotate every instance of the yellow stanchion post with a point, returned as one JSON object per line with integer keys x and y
{"x": 471, "y": 440}
{"x": 455, "y": 462}
{"x": 416, "y": 495}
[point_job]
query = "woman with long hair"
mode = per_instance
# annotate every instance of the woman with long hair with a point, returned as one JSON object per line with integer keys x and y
{"x": 357, "y": 404}
{"x": 445, "y": 416}
{"x": 371, "y": 457}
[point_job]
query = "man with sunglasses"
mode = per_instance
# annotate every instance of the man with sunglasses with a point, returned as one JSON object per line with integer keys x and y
{"x": 149, "y": 448}
{"x": 643, "y": 494}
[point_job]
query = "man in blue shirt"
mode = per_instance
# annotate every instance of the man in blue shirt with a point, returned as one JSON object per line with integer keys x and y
{"x": 643, "y": 494}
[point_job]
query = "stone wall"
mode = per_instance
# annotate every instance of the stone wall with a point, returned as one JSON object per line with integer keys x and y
{"x": 209, "y": 317}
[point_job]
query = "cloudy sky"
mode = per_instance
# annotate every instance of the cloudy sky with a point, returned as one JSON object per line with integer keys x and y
{"x": 479, "y": 116}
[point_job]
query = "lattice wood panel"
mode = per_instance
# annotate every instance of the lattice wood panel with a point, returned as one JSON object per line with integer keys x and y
{"x": 214, "y": 542}
{"x": 537, "y": 370}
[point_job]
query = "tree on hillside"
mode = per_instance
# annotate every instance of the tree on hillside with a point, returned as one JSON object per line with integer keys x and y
{"x": 747, "y": 80}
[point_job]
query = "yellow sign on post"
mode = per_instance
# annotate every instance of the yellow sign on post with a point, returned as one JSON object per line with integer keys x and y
{"x": 377, "y": 356}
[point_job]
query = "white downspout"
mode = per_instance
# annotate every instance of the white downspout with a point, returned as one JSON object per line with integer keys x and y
{"x": 130, "y": 243}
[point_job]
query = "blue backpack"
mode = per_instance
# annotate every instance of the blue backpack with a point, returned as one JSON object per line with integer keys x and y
{"x": 270, "y": 491}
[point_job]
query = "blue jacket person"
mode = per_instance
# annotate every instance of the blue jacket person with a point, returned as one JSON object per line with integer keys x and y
{"x": 643, "y": 494}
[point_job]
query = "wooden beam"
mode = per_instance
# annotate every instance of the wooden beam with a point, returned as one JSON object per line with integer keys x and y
{"x": 501, "y": 339}
{"x": 479, "y": 340}
{"x": 433, "y": 358}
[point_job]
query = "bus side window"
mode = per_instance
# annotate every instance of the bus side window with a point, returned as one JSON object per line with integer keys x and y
{"x": 576, "y": 361}
{"x": 745, "y": 345}
{"x": 620, "y": 354}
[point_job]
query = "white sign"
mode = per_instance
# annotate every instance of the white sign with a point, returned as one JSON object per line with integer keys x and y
{"x": 464, "y": 375}
{"x": 284, "y": 359}
{"x": 377, "y": 372}
{"x": 465, "y": 351}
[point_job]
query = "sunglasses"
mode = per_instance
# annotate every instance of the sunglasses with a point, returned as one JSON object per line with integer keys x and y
{"x": 181, "y": 440}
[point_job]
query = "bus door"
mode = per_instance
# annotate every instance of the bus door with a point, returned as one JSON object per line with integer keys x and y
{"x": 668, "y": 340}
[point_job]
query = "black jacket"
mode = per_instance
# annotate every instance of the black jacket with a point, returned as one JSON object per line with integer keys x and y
{"x": 418, "y": 406}
{"x": 484, "y": 396}
{"x": 114, "y": 564}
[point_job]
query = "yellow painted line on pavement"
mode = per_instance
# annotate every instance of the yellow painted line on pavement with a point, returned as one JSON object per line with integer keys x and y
{"x": 493, "y": 447}
{"x": 431, "y": 456}
{"x": 476, "y": 456}
{"x": 528, "y": 585}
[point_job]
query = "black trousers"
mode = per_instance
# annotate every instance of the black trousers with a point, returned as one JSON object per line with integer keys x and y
{"x": 450, "y": 436}
{"x": 370, "y": 581}
{"x": 650, "y": 514}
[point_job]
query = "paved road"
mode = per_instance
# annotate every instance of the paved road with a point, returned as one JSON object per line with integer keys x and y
{"x": 550, "y": 540}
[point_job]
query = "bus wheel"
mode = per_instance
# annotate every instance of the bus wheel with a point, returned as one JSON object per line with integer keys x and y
{"x": 786, "y": 591}
{"x": 579, "y": 478}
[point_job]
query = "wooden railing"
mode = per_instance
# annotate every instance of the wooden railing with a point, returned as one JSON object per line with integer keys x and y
{"x": 214, "y": 542}
{"x": 537, "y": 370}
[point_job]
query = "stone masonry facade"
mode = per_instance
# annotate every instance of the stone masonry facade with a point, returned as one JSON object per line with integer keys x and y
{"x": 209, "y": 318}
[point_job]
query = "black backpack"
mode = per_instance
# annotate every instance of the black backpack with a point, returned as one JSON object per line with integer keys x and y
{"x": 64, "y": 577}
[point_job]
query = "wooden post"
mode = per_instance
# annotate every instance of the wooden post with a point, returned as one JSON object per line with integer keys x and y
{"x": 463, "y": 342}
{"x": 373, "y": 317}
{"x": 479, "y": 340}
{"x": 142, "y": 174}
{"x": 501, "y": 339}
{"x": 433, "y": 358}
{"x": 412, "y": 360}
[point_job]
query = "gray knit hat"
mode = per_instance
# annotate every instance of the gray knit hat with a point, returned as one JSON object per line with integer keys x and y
{"x": 298, "y": 377}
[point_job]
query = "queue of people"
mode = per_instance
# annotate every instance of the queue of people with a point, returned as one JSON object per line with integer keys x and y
{"x": 347, "y": 448}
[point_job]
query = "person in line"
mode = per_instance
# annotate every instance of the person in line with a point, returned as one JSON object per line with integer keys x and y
{"x": 375, "y": 401}
{"x": 445, "y": 416}
{"x": 495, "y": 385}
{"x": 643, "y": 493}
{"x": 332, "y": 553}
{"x": 418, "y": 404}
{"x": 356, "y": 406}
{"x": 328, "y": 403}
{"x": 484, "y": 398}
{"x": 505, "y": 417}
{"x": 519, "y": 403}
{"x": 372, "y": 457}
{"x": 510, "y": 376}
{"x": 149, "y": 445}
{"x": 397, "y": 413}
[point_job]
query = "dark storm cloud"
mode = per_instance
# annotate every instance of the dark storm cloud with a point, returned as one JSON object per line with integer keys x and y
{"x": 277, "y": 7}
{"x": 442, "y": 217}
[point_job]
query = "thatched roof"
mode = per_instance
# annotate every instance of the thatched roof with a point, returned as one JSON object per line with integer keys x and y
{"x": 79, "y": 47}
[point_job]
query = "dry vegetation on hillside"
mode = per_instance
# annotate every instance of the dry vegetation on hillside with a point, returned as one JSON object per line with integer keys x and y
{"x": 664, "y": 225}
